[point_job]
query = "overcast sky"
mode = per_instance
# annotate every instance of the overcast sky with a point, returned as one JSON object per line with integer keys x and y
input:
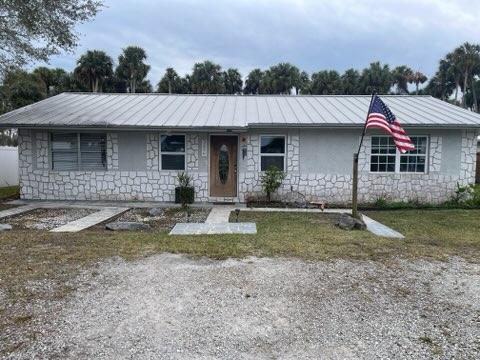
{"x": 314, "y": 35}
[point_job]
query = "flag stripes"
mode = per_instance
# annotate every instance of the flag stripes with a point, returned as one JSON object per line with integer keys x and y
{"x": 380, "y": 116}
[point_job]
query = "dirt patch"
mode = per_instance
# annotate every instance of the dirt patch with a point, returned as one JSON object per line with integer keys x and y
{"x": 46, "y": 219}
{"x": 164, "y": 220}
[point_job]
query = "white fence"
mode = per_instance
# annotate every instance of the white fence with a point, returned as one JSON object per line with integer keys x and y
{"x": 8, "y": 166}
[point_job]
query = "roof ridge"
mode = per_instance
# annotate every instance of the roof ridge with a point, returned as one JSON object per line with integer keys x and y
{"x": 238, "y": 95}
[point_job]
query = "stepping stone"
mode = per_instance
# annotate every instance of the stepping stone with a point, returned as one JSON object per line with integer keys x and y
{"x": 213, "y": 228}
{"x": 156, "y": 212}
{"x": 90, "y": 220}
{"x": 127, "y": 226}
{"x": 5, "y": 227}
{"x": 348, "y": 222}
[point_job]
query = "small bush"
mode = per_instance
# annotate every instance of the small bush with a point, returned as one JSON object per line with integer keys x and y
{"x": 271, "y": 179}
{"x": 184, "y": 193}
{"x": 464, "y": 197}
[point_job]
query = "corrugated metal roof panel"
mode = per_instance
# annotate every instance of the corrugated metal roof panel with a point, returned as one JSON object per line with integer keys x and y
{"x": 229, "y": 111}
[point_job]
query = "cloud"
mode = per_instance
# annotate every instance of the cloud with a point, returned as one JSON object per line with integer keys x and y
{"x": 314, "y": 35}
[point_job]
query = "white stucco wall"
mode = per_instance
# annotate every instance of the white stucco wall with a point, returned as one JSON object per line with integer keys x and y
{"x": 318, "y": 164}
{"x": 8, "y": 166}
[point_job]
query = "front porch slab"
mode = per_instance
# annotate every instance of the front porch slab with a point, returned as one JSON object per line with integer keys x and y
{"x": 213, "y": 228}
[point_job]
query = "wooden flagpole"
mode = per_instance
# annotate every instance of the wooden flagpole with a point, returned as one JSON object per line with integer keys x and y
{"x": 355, "y": 166}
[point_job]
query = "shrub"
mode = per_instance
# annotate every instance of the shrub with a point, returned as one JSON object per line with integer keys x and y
{"x": 184, "y": 193}
{"x": 271, "y": 179}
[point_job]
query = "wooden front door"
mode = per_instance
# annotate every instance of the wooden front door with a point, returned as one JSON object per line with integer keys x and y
{"x": 223, "y": 166}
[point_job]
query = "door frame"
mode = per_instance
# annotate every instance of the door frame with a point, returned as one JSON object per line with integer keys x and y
{"x": 208, "y": 164}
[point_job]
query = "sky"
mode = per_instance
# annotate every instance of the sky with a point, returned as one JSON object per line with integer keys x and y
{"x": 248, "y": 34}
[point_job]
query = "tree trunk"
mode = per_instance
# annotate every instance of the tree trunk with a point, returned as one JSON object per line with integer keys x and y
{"x": 416, "y": 87}
{"x": 464, "y": 97}
{"x": 474, "y": 94}
{"x": 169, "y": 87}
{"x": 133, "y": 86}
{"x": 456, "y": 92}
{"x": 95, "y": 85}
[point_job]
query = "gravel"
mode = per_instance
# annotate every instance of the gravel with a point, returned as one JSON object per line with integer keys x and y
{"x": 47, "y": 219}
{"x": 163, "y": 218}
{"x": 171, "y": 306}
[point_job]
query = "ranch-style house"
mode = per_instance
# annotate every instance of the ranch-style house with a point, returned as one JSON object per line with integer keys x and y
{"x": 93, "y": 146}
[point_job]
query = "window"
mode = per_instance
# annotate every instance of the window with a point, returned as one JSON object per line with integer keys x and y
{"x": 73, "y": 151}
{"x": 383, "y": 154}
{"x": 272, "y": 152}
{"x": 172, "y": 149}
{"x": 386, "y": 158}
{"x": 414, "y": 161}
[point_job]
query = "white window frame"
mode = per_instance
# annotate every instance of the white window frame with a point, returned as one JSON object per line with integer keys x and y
{"x": 184, "y": 153}
{"x": 284, "y": 154}
{"x": 79, "y": 151}
{"x": 426, "y": 155}
{"x": 398, "y": 154}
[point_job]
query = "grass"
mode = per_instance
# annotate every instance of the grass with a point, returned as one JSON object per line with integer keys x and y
{"x": 9, "y": 192}
{"x": 30, "y": 257}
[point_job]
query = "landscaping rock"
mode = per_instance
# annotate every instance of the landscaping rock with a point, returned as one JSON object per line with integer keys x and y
{"x": 127, "y": 226}
{"x": 5, "y": 227}
{"x": 347, "y": 222}
{"x": 156, "y": 212}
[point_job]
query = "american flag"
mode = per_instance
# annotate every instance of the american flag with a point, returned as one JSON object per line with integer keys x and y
{"x": 380, "y": 116}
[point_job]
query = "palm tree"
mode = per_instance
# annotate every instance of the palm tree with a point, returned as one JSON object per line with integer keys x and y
{"x": 253, "y": 81}
{"x": 170, "y": 82}
{"x": 452, "y": 63}
{"x": 376, "y": 78}
{"x": 281, "y": 79}
{"x": 233, "y": 81}
{"x": 93, "y": 68}
{"x": 131, "y": 67}
{"x": 468, "y": 60}
{"x": 417, "y": 78}
{"x": 401, "y": 76}
{"x": 207, "y": 78}
{"x": 326, "y": 82}
{"x": 351, "y": 82}
{"x": 304, "y": 85}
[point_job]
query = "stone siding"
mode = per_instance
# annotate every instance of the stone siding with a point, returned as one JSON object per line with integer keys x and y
{"x": 38, "y": 181}
{"x": 433, "y": 187}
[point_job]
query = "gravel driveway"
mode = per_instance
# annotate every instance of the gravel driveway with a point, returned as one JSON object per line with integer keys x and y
{"x": 171, "y": 306}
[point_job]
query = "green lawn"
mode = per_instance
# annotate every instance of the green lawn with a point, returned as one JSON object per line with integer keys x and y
{"x": 8, "y": 192}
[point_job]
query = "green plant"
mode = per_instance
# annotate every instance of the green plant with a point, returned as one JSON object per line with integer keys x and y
{"x": 184, "y": 193}
{"x": 184, "y": 180}
{"x": 271, "y": 179}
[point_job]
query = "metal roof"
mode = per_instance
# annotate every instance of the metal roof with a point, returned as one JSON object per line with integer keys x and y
{"x": 92, "y": 110}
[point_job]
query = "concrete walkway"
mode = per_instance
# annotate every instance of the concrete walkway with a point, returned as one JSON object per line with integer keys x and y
{"x": 90, "y": 220}
{"x": 17, "y": 210}
{"x": 220, "y": 214}
{"x": 381, "y": 230}
{"x": 217, "y": 222}
{"x": 213, "y": 228}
